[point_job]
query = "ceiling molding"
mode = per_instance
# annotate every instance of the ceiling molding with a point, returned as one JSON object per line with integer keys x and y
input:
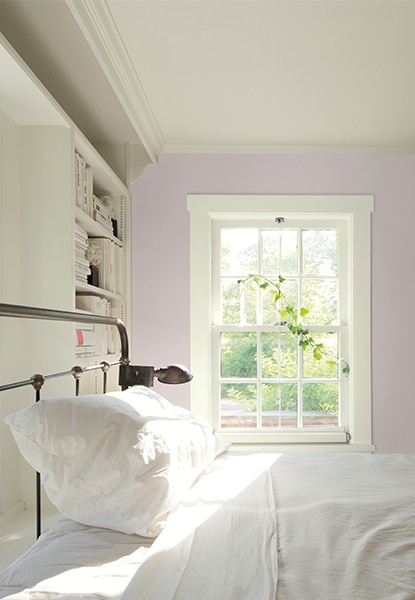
{"x": 286, "y": 149}
{"x": 96, "y": 23}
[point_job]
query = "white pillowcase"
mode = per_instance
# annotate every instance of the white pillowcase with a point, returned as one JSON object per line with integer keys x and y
{"x": 121, "y": 460}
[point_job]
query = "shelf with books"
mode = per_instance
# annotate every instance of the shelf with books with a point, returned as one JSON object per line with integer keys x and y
{"x": 99, "y": 193}
{"x": 93, "y": 228}
{"x": 92, "y": 339}
{"x": 102, "y": 241}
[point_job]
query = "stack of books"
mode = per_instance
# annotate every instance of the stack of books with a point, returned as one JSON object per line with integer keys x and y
{"x": 85, "y": 340}
{"x": 82, "y": 267}
{"x": 110, "y": 271}
{"x": 84, "y": 184}
{"x": 101, "y": 214}
{"x": 99, "y": 340}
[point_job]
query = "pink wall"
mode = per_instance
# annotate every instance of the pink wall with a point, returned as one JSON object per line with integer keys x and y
{"x": 161, "y": 327}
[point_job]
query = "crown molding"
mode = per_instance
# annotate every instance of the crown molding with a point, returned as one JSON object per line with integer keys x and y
{"x": 286, "y": 149}
{"x": 95, "y": 21}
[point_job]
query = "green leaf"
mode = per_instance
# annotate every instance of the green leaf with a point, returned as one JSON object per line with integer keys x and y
{"x": 290, "y": 316}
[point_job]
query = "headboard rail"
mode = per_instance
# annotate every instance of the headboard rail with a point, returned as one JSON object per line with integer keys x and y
{"x": 32, "y": 312}
{"x": 128, "y": 374}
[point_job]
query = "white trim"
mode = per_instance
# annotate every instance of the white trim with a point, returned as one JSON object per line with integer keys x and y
{"x": 284, "y": 437}
{"x": 315, "y": 149}
{"x": 200, "y": 310}
{"x": 218, "y": 205}
{"x": 240, "y": 447}
{"x": 204, "y": 209}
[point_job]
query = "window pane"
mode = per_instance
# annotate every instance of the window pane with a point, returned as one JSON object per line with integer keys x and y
{"x": 320, "y": 404}
{"x": 230, "y": 301}
{"x": 239, "y": 251}
{"x": 238, "y": 354}
{"x": 270, "y": 314}
{"x": 279, "y": 347}
{"x": 313, "y": 368}
{"x": 279, "y": 252}
{"x": 320, "y": 252}
{"x": 320, "y": 297}
{"x": 238, "y": 405}
{"x": 279, "y": 404}
{"x": 238, "y": 303}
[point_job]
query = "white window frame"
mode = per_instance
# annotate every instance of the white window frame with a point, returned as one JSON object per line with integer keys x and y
{"x": 204, "y": 211}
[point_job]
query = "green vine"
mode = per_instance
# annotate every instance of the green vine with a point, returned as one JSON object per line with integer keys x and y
{"x": 291, "y": 318}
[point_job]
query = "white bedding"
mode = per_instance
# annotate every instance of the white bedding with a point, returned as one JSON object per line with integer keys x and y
{"x": 222, "y": 541}
{"x": 343, "y": 527}
{"x": 254, "y": 527}
{"x": 71, "y": 560}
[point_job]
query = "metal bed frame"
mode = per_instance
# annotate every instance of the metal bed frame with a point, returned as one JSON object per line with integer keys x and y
{"x": 129, "y": 375}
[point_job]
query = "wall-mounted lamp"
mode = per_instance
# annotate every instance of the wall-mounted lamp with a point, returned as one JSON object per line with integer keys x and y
{"x": 139, "y": 375}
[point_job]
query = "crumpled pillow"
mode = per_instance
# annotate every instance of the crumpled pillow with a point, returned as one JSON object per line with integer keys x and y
{"x": 120, "y": 460}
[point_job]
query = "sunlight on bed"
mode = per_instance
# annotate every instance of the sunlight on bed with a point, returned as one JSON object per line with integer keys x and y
{"x": 221, "y": 511}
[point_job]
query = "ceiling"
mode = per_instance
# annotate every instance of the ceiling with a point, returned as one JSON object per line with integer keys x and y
{"x": 226, "y": 75}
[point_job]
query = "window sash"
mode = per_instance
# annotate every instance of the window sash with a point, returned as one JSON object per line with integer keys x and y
{"x": 300, "y": 378}
{"x": 257, "y": 226}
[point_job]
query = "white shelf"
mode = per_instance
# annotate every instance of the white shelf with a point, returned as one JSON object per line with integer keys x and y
{"x": 86, "y": 288}
{"x": 93, "y": 228}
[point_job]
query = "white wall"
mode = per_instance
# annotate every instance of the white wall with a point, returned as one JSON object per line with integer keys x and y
{"x": 10, "y": 289}
{"x": 36, "y": 229}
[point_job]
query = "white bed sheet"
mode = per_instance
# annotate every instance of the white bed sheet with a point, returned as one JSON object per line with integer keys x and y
{"x": 221, "y": 542}
{"x": 71, "y": 560}
{"x": 342, "y": 526}
{"x": 256, "y": 526}
{"x": 348, "y": 523}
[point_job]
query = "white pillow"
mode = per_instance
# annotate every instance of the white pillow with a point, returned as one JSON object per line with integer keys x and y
{"x": 121, "y": 460}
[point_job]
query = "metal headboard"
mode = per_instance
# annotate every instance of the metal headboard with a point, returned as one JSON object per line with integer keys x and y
{"x": 129, "y": 375}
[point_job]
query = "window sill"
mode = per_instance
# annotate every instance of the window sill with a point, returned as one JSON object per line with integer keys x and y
{"x": 322, "y": 441}
{"x": 301, "y": 447}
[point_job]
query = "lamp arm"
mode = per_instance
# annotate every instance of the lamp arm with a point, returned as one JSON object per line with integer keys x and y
{"x": 143, "y": 375}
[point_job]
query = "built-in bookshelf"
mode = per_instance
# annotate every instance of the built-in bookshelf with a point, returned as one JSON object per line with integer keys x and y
{"x": 101, "y": 204}
{"x": 42, "y": 259}
{"x": 38, "y": 219}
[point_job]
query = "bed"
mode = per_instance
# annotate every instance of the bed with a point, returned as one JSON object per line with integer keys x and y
{"x": 154, "y": 506}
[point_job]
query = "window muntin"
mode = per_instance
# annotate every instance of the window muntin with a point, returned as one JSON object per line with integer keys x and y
{"x": 265, "y": 379}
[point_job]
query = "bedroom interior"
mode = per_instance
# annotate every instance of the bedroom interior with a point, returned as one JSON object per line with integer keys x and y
{"x": 119, "y": 120}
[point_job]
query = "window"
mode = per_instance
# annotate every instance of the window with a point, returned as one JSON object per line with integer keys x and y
{"x": 252, "y": 378}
